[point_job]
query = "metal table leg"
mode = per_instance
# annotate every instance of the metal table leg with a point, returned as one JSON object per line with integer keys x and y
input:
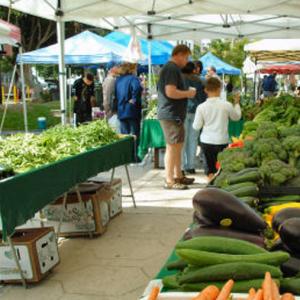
{"x": 85, "y": 211}
{"x": 130, "y": 186}
{"x": 61, "y": 216}
{"x": 17, "y": 262}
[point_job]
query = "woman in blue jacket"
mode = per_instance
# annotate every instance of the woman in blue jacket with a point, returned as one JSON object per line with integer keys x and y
{"x": 128, "y": 94}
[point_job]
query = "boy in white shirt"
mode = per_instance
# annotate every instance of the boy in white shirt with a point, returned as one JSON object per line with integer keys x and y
{"x": 213, "y": 116}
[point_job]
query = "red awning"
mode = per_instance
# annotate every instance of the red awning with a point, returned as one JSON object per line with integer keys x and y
{"x": 281, "y": 69}
{"x": 9, "y": 34}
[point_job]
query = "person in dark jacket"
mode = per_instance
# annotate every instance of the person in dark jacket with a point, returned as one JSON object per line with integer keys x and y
{"x": 192, "y": 80}
{"x": 128, "y": 94}
{"x": 84, "y": 92}
{"x": 269, "y": 85}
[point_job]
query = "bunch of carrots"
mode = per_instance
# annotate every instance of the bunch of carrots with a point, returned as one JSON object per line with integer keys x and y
{"x": 268, "y": 291}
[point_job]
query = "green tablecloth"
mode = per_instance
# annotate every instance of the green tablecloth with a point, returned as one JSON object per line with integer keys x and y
{"x": 152, "y": 135}
{"x": 23, "y": 195}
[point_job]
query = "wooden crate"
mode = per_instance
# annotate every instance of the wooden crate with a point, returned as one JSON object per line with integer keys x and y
{"x": 37, "y": 251}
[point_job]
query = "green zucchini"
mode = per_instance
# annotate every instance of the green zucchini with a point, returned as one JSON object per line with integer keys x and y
{"x": 246, "y": 171}
{"x": 235, "y": 271}
{"x": 253, "y": 176}
{"x": 239, "y": 185}
{"x": 246, "y": 191}
{"x": 171, "y": 282}
{"x": 176, "y": 265}
{"x": 204, "y": 258}
{"x": 287, "y": 198}
{"x": 291, "y": 285}
{"x": 239, "y": 286}
{"x": 220, "y": 245}
{"x": 252, "y": 201}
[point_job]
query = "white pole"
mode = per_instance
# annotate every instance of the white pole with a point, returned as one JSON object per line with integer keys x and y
{"x": 61, "y": 68}
{"x": 149, "y": 66}
{"x": 23, "y": 90}
{"x": 70, "y": 95}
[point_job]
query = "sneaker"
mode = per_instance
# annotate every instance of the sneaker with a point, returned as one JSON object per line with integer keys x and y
{"x": 185, "y": 180}
{"x": 175, "y": 186}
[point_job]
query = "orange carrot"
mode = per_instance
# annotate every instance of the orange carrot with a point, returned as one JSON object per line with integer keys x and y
{"x": 251, "y": 294}
{"x": 226, "y": 290}
{"x": 259, "y": 295}
{"x": 211, "y": 292}
{"x": 154, "y": 293}
{"x": 267, "y": 287}
{"x": 287, "y": 296}
{"x": 275, "y": 291}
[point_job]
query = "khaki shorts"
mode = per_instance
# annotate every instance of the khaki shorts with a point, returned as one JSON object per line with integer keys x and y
{"x": 173, "y": 131}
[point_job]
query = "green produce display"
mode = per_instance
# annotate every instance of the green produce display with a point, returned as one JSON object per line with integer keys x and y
{"x": 204, "y": 258}
{"x": 235, "y": 271}
{"x": 220, "y": 245}
{"x": 23, "y": 152}
{"x": 291, "y": 285}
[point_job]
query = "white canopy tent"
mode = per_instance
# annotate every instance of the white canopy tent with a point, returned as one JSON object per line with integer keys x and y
{"x": 169, "y": 19}
{"x": 275, "y": 50}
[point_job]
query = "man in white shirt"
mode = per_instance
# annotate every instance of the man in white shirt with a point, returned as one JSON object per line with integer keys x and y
{"x": 213, "y": 116}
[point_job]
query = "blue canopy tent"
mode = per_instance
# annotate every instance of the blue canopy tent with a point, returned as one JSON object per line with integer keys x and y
{"x": 160, "y": 50}
{"x": 83, "y": 48}
{"x": 222, "y": 67}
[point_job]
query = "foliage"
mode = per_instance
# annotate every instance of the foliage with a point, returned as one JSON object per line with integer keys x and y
{"x": 152, "y": 109}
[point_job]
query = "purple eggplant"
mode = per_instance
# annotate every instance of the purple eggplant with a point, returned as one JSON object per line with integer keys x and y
{"x": 289, "y": 232}
{"x": 224, "y": 232}
{"x": 284, "y": 215}
{"x": 199, "y": 219}
{"x": 224, "y": 209}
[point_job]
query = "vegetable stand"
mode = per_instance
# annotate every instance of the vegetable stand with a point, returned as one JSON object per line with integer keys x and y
{"x": 152, "y": 135}
{"x": 25, "y": 194}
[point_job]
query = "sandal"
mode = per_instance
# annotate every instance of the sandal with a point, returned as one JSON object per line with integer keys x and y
{"x": 185, "y": 180}
{"x": 175, "y": 186}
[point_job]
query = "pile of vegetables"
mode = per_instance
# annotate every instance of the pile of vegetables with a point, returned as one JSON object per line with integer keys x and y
{"x": 22, "y": 152}
{"x": 152, "y": 109}
{"x": 210, "y": 260}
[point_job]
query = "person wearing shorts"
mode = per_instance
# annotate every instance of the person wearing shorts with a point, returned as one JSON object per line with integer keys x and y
{"x": 213, "y": 116}
{"x": 171, "y": 112}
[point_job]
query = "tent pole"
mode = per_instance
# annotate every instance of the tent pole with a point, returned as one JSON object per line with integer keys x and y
{"x": 70, "y": 94}
{"x": 60, "y": 27}
{"x": 23, "y": 90}
{"x": 149, "y": 67}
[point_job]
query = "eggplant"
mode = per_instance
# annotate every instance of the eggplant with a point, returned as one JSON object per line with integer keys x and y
{"x": 198, "y": 218}
{"x": 289, "y": 233}
{"x": 224, "y": 232}
{"x": 291, "y": 267}
{"x": 284, "y": 215}
{"x": 223, "y": 208}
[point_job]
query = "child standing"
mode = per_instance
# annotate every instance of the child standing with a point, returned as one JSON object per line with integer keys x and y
{"x": 213, "y": 116}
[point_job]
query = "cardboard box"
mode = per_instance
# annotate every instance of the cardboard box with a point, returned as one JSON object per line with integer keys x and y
{"x": 78, "y": 219}
{"x": 36, "y": 249}
{"x": 112, "y": 193}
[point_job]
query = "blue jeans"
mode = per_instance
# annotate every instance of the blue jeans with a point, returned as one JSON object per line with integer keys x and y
{"x": 190, "y": 143}
{"x": 132, "y": 126}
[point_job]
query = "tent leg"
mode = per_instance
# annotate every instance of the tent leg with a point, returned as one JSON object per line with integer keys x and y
{"x": 23, "y": 91}
{"x": 61, "y": 68}
{"x": 7, "y": 98}
{"x": 149, "y": 68}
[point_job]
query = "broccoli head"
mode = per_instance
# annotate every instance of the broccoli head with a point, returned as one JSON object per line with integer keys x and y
{"x": 276, "y": 172}
{"x": 292, "y": 145}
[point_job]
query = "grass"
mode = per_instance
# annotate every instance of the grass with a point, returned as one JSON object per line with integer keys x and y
{"x": 14, "y": 120}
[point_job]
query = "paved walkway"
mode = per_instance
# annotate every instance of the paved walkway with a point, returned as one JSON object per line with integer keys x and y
{"x": 119, "y": 264}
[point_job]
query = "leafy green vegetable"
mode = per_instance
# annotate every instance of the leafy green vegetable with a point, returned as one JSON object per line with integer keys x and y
{"x": 26, "y": 151}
